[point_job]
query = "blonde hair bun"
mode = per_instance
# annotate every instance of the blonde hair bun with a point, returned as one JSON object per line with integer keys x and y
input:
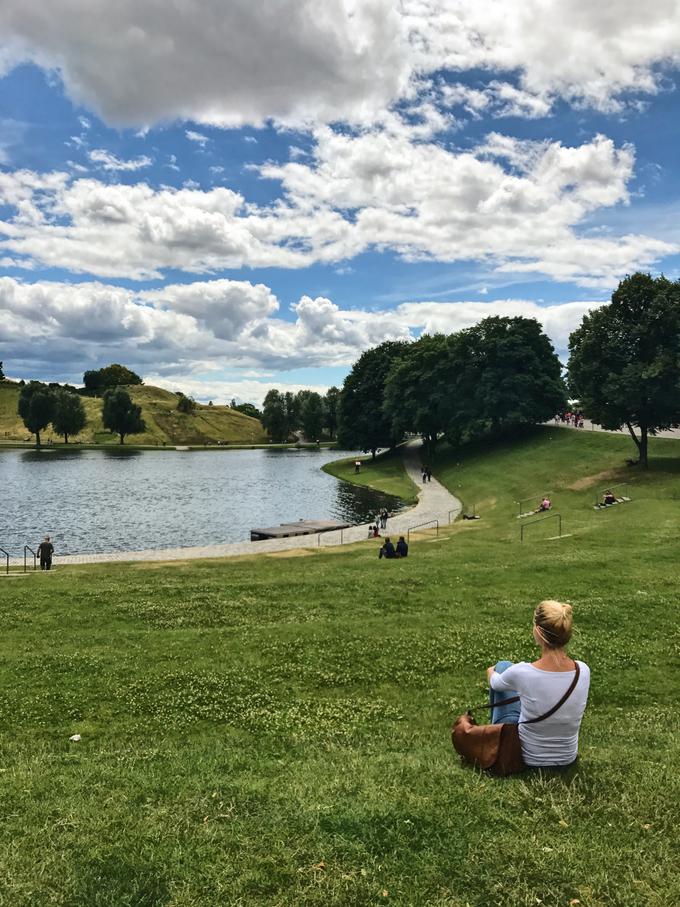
{"x": 554, "y": 621}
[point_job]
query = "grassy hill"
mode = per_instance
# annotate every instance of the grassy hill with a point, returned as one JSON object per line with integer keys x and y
{"x": 164, "y": 424}
{"x": 275, "y": 730}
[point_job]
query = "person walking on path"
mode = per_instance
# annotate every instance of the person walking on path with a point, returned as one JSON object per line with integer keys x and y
{"x": 383, "y": 518}
{"x": 428, "y": 473}
{"x": 45, "y": 552}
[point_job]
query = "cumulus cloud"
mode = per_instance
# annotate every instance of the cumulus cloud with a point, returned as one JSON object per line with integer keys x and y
{"x": 515, "y": 205}
{"x": 305, "y": 62}
{"x": 62, "y": 329}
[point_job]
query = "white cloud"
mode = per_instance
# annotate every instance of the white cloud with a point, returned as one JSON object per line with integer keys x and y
{"x": 196, "y": 137}
{"x": 303, "y": 62}
{"x": 109, "y": 161}
{"x": 62, "y": 329}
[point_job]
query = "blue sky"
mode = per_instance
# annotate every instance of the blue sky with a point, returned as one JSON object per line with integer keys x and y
{"x": 231, "y": 201}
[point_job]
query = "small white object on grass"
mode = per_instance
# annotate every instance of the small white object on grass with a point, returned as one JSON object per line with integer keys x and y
{"x": 74, "y": 738}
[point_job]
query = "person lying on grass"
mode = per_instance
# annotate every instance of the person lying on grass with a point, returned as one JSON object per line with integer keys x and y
{"x": 553, "y": 742}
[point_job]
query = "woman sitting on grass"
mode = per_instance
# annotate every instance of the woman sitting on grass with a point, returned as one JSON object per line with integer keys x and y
{"x": 551, "y": 742}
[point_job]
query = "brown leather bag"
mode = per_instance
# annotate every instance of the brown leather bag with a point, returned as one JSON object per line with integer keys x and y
{"x": 496, "y": 748}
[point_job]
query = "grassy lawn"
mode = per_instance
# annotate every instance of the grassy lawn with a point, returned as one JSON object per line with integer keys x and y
{"x": 386, "y": 473}
{"x": 276, "y": 730}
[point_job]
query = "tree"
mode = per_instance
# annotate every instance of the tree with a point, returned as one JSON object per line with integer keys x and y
{"x": 274, "y": 416}
{"x": 248, "y": 409}
{"x": 69, "y": 414}
{"x": 36, "y": 407}
{"x": 120, "y": 414}
{"x": 330, "y": 411}
{"x": 97, "y": 381}
{"x": 291, "y": 406}
{"x": 624, "y": 363}
{"x": 185, "y": 404}
{"x": 2, "y": 374}
{"x": 362, "y": 421}
{"x": 418, "y": 390}
{"x": 311, "y": 416}
{"x": 506, "y": 375}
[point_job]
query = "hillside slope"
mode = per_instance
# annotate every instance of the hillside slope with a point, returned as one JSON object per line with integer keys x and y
{"x": 164, "y": 424}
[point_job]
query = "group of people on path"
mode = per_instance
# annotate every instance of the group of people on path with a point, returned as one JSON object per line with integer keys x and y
{"x": 426, "y": 474}
{"x": 380, "y": 523}
{"x": 574, "y": 418}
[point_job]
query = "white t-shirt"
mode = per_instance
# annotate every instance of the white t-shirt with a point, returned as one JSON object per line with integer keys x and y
{"x": 555, "y": 740}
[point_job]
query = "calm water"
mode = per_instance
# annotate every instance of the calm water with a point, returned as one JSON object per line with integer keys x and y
{"x": 117, "y": 500}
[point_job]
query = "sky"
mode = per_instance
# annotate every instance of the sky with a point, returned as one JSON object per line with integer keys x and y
{"x": 233, "y": 197}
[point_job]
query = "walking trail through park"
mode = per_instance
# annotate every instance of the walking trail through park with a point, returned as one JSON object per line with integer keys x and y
{"x": 434, "y": 503}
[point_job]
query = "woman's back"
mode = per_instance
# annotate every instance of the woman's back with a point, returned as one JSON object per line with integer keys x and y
{"x": 553, "y": 741}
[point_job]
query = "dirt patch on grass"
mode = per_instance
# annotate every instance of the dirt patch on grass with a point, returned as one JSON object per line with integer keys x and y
{"x": 589, "y": 481}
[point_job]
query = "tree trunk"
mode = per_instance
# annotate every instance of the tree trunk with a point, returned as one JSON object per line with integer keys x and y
{"x": 65, "y": 438}
{"x": 643, "y": 446}
{"x": 122, "y": 435}
{"x": 37, "y": 439}
{"x": 634, "y": 437}
{"x": 373, "y": 450}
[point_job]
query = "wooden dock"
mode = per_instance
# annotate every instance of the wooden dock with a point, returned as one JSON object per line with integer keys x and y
{"x": 301, "y": 527}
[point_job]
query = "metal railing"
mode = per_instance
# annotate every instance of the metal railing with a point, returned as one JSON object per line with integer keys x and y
{"x": 35, "y": 558}
{"x": 6, "y": 553}
{"x": 551, "y": 516}
{"x": 420, "y": 526}
{"x": 600, "y": 495}
{"x": 530, "y": 497}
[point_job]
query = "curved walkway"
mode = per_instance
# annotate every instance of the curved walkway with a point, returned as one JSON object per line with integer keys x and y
{"x": 434, "y": 503}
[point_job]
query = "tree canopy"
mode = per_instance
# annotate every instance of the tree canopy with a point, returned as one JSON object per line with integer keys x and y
{"x": 69, "y": 413}
{"x": 36, "y": 407}
{"x": 362, "y": 420}
{"x": 99, "y": 380}
{"x": 330, "y": 411}
{"x": 624, "y": 363}
{"x": 120, "y": 415}
{"x": 274, "y": 416}
{"x": 311, "y": 416}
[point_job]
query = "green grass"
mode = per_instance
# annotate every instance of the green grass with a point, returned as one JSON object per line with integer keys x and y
{"x": 276, "y": 730}
{"x": 164, "y": 424}
{"x": 385, "y": 473}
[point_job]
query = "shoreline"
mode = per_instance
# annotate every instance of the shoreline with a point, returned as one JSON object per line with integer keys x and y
{"x": 178, "y": 448}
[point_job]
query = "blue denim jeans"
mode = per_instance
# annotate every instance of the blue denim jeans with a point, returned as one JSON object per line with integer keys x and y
{"x": 503, "y": 714}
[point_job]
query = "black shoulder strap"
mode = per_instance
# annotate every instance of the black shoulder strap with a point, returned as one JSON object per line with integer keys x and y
{"x": 572, "y": 687}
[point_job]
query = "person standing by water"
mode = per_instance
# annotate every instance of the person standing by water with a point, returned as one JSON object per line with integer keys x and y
{"x": 383, "y": 518}
{"x": 45, "y": 552}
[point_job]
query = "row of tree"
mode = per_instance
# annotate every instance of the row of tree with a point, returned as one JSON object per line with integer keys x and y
{"x": 41, "y": 405}
{"x": 499, "y": 374}
{"x": 283, "y": 414}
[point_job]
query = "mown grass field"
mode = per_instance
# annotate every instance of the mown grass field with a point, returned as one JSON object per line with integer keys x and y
{"x": 164, "y": 423}
{"x": 276, "y": 730}
{"x": 385, "y": 473}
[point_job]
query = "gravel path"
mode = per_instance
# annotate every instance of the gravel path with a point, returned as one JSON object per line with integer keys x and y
{"x": 434, "y": 503}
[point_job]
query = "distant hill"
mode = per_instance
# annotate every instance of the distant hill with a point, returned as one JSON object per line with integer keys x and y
{"x": 207, "y": 424}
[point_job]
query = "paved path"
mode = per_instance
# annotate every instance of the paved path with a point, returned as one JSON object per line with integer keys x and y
{"x": 434, "y": 503}
{"x": 593, "y": 426}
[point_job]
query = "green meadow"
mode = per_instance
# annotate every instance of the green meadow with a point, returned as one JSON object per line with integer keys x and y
{"x": 275, "y": 730}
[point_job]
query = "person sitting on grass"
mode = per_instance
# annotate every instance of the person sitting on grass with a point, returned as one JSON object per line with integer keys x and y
{"x": 551, "y": 742}
{"x": 545, "y": 504}
{"x": 402, "y": 547}
{"x": 609, "y": 498}
{"x": 376, "y": 532}
{"x": 387, "y": 549}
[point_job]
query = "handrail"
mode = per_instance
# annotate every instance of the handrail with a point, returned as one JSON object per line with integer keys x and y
{"x": 455, "y": 510}
{"x": 600, "y": 494}
{"x": 6, "y": 553}
{"x": 551, "y": 516}
{"x": 35, "y": 557}
{"x": 419, "y": 526}
{"x": 530, "y": 497}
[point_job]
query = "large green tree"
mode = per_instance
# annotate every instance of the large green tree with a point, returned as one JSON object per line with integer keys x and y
{"x": 362, "y": 421}
{"x": 2, "y": 374}
{"x": 419, "y": 387}
{"x": 120, "y": 414}
{"x": 274, "y": 416}
{"x": 311, "y": 416}
{"x": 505, "y": 374}
{"x": 36, "y": 407}
{"x": 69, "y": 414}
{"x": 624, "y": 363}
{"x": 97, "y": 381}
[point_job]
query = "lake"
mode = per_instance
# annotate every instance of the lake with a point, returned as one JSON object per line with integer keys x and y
{"x": 92, "y": 501}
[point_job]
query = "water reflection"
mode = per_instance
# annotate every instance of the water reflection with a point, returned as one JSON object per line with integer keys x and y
{"x": 121, "y": 500}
